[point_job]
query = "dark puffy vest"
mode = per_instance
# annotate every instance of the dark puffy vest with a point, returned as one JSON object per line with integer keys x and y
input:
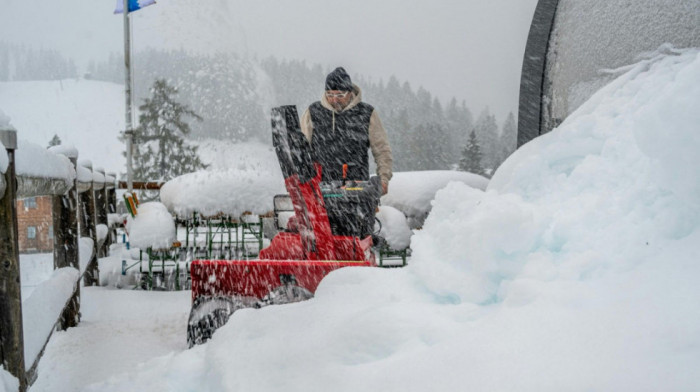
{"x": 347, "y": 144}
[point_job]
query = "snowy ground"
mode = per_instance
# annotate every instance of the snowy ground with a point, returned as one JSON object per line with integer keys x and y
{"x": 575, "y": 270}
{"x": 118, "y": 331}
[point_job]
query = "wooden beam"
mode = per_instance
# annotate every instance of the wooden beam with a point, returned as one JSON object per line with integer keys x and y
{"x": 66, "y": 248}
{"x": 87, "y": 229}
{"x": 11, "y": 329}
{"x": 141, "y": 185}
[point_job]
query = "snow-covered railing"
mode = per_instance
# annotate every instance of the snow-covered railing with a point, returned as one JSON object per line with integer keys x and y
{"x": 42, "y": 172}
{"x": 82, "y": 198}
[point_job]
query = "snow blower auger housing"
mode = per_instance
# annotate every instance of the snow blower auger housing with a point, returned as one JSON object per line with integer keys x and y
{"x": 331, "y": 228}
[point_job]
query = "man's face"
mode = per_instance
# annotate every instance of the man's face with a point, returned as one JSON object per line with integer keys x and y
{"x": 338, "y": 99}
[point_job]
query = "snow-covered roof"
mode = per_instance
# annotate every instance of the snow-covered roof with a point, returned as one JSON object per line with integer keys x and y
{"x": 33, "y": 160}
{"x": 412, "y": 192}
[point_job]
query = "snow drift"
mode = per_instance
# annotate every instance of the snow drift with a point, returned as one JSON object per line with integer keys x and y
{"x": 412, "y": 192}
{"x": 575, "y": 270}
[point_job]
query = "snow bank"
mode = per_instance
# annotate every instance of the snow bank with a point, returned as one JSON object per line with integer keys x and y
{"x": 35, "y": 161}
{"x": 8, "y": 383}
{"x": 412, "y": 192}
{"x": 41, "y": 310}
{"x": 395, "y": 228}
{"x": 591, "y": 197}
{"x": 576, "y": 270}
{"x": 152, "y": 227}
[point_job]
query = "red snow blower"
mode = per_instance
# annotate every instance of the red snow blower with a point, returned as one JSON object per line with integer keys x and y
{"x": 331, "y": 228}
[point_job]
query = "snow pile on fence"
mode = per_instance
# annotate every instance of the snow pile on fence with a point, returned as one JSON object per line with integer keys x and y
{"x": 84, "y": 174}
{"x": 153, "y": 227}
{"x": 4, "y": 160}
{"x": 41, "y": 310}
{"x": 67, "y": 150}
{"x": 4, "y": 125}
{"x": 33, "y": 160}
{"x": 577, "y": 269}
{"x": 394, "y": 228}
{"x": 230, "y": 192}
{"x": 85, "y": 249}
{"x": 102, "y": 232}
{"x": 412, "y": 192}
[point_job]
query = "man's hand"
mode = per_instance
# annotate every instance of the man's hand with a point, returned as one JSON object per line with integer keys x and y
{"x": 385, "y": 188}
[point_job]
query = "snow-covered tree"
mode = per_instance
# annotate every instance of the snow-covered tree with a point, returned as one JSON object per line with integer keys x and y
{"x": 508, "y": 138}
{"x": 161, "y": 152}
{"x": 55, "y": 141}
{"x": 486, "y": 130}
{"x": 471, "y": 156}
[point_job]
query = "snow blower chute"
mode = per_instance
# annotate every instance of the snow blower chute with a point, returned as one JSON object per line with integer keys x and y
{"x": 331, "y": 228}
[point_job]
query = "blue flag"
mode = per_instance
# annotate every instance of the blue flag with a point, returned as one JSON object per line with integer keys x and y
{"x": 134, "y": 5}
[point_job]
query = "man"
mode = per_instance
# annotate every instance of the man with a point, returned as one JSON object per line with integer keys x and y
{"x": 341, "y": 129}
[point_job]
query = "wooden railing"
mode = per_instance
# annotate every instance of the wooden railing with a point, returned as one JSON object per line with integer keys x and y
{"x": 77, "y": 209}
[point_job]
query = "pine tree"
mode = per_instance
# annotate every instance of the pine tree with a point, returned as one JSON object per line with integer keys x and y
{"x": 471, "y": 156}
{"x": 162, "y": 153}
{"x": 55, "y": 141}
{"x": 508, "y": 138}
{"x": 486, "y": 130}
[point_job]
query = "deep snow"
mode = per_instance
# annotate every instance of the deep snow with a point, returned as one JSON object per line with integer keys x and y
{"x": 575, "y": 270}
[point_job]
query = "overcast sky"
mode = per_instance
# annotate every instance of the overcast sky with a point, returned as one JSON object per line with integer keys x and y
{"x": 470, "y": 49}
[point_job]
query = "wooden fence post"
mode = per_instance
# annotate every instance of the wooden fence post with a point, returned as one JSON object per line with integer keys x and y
{"x": 101, "y": 210}
{"x": 11, "y": 333}
{"x": 66, "y": 246}
{"x": 112, "y": 203}
{"x": 87, "y": 229}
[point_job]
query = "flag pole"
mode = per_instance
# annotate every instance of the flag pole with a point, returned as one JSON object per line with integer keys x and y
{"x": 129, "y": 132}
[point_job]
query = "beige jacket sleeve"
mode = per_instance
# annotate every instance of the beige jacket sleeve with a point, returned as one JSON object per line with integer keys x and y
{"x": 379, "y": 143}
{"x": 307, "y": 127}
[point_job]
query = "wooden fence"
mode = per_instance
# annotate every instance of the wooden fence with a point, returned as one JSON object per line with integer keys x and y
{"x": 77, "y": 210}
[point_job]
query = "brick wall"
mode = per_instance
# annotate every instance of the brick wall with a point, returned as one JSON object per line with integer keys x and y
{"x": 34, "y": 219}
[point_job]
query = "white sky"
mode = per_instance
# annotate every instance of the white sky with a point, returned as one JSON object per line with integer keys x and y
{"x": 471, "y": 49}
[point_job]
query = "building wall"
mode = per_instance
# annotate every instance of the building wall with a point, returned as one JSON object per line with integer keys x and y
{"x": 575, "y": 47}
{"x": 34, "y": 219}
{"x": 592, "y": 38}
